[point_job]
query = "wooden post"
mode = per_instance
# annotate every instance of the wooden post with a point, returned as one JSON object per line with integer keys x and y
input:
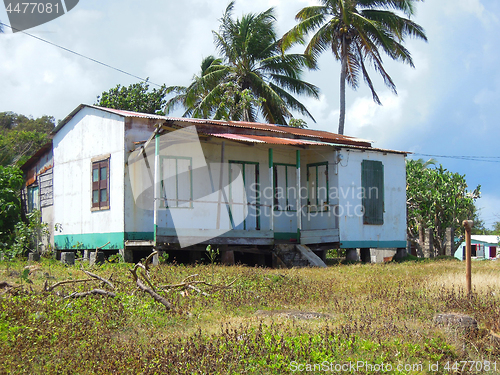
{"x": 468, "y": 268}
{"x": 156, "y": 186}
{"x": 298, "y": 203}
{"x": 271, "y": 183}
{"x": 221, "y": 174}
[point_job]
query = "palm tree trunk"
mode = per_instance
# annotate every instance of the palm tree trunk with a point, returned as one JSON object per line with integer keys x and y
{"x": 343, "y": 74}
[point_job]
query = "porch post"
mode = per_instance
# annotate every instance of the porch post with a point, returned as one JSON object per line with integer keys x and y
{"x": 156, "y": 185}
{"x": 271, "y": 182}
{"x": 297, "y": 194}
{"x": 221, "y": 174}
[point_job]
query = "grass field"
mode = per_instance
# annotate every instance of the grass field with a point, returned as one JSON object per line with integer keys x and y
{"x": 374, "y": 318}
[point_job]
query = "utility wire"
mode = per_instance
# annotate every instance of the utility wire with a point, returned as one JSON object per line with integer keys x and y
{"x": 491, "y": 159}
{"x": 85, "y": 57}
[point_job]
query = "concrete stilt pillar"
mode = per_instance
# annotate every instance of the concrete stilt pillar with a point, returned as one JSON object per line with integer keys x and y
{"x": 352, "y": 255}
{"x": 401, "y": 252}
{"x": 127, "y": 255}
{"x": 68, "y": 257}
{"x": 365, "y": 255}
{"x": 34, "y": 257}
{"x": 96, "y": 257}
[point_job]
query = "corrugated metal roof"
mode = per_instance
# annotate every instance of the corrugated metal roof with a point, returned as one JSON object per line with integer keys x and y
{"x": 279, "y": 129}
{"x": 270, "y": 140}
{"x": 291, "y": 135}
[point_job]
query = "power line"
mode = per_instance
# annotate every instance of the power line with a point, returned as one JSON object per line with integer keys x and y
{"x": 80, "y": 55}
{"x": 491, "y": 159}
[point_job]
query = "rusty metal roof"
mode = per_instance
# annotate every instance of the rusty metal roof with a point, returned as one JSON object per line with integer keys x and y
{"x": 283, "y": 129}
{"x": 270, "y": 140}
{"x": 278, "y": 134}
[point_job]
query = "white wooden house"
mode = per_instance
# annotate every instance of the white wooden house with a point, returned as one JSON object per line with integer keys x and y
{"x": 136, "y": 179}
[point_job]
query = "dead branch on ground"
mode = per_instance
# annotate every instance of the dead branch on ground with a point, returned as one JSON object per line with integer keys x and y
{"x": 148, "y": 289}
{"x": 105, "y": 281}
{"x": 47, "y": 288}
{"x": 101, "y": 292}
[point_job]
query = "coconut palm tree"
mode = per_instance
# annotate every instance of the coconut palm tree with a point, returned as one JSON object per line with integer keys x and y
{"x": 253, "y": 77}
{"x": 357, "y": 31}
{"x": 190, "y": 97}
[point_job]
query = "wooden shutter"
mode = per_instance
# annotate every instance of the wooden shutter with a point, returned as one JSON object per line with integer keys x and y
{"x": 372, "y": 181}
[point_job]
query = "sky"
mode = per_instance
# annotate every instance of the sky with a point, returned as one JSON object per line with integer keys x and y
{"x": 448, "y": 105}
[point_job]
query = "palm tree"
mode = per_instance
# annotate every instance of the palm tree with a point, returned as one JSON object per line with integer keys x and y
{"x": 190, "y": 97}
{"x": 357, "y": 31}
{"x": 254, "y": 76}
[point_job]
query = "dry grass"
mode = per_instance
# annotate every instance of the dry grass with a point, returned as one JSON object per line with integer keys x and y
{"x": 376, "y": 313}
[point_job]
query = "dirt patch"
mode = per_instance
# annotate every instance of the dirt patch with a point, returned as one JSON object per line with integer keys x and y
{"x": 294, "y": 314}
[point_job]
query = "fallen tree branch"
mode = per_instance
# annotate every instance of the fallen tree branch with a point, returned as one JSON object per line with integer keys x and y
{"x": 50, "y": 288}
{"x": 148, "y": 289}
{"x": 105, "y": 281}
{"x": 148, "y": 259}
{"x": 91, "y": 292}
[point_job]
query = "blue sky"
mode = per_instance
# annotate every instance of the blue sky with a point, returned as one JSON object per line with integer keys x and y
{"x": 448, "y": 105}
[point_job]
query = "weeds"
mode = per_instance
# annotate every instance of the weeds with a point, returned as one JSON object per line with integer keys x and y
{"x": 378, "y": 314}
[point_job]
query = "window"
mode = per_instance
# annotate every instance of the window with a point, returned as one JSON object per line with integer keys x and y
{"x": 100, "y": 184}
{"x": 317, "y": 187}
{"x": 33, "y": 198}
{"x": 244, "y": 200}
{"x": 285, "y": 187}
{"x": 176, "y": 178}
{"x": 372, "y": 182}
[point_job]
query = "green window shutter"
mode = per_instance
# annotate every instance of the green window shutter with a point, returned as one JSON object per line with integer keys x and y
{"x": 372, "y": 181}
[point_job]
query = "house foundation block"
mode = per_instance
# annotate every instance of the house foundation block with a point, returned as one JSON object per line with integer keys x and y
{"x": 127, "y": 255}
{"x": 34, "y": 257}
{"x": 365, "y": 255}
{"x": 401, "y": 253}
{"x": 352, "y": 255}
{"x": 68, "y": 258}
{"x": 96, "y": 257}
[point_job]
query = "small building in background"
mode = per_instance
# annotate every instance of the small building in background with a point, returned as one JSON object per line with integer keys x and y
{"x": 482, "y": 247}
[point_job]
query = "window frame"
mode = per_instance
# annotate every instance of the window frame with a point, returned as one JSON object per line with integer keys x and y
{"x": 257, "y": 195}
{"x": 31, "y": 197}
{"x": 164, "y": 199}
{"x": 326, "y": 204}
{"x": 98, "y": 163}
{"x": 288, "y": 206}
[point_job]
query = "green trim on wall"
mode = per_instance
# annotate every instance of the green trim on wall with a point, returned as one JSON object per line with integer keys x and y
{"x": 89, "y": 241}
{"x": 371, "y": 244}
{"x": 139, "y": 236}
{"x": 286, "y": 236}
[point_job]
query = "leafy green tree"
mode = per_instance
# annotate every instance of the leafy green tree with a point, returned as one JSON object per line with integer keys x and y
{"x": 137, "y": 97}
{"x": 437, "y": 199}
{"x": 11, "y": 182}
{"x": 357, "y": 31}
{"x": 254, "y": 76}
{"x": 21, "y": 136}
{"x": 496, "y": 228}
